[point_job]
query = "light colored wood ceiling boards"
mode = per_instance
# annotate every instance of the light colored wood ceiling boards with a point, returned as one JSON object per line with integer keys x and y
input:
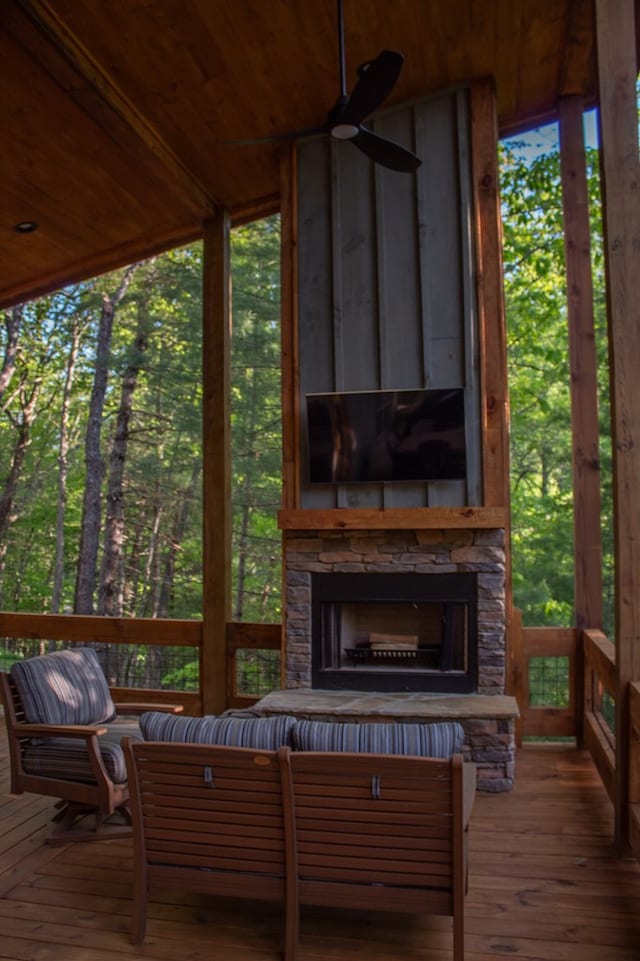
{"x": 115, "y": 116}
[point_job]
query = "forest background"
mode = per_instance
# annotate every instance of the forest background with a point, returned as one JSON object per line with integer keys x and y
{"x": 100, "y": 426}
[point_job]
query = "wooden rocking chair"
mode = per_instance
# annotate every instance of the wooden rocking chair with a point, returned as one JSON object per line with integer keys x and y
{"x": 64, "y": 742}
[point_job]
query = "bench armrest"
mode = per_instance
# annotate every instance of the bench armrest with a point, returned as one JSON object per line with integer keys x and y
{"x": 58, "y": 730}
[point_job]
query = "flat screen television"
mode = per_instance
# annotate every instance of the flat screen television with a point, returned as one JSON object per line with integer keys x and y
{"x": 365, "y": 437}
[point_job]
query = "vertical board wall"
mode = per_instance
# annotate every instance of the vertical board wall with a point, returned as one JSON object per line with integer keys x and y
{"x": 386, "y": 286}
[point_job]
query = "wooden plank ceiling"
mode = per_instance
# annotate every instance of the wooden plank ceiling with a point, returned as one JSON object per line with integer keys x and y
{"x": 115, "y": 116}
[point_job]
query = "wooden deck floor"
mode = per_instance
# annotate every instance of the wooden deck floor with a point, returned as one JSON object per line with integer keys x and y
{"x": 545, "y": 886}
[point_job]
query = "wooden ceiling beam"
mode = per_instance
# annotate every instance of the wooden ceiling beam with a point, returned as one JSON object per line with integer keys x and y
{"x": 577, "y": 76}
{"x": 73, "y": 68}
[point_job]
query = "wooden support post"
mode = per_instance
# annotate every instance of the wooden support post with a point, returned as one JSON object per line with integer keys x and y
{"x": 216, "y": 612}
{"x": 289, "y": 326}
{"x": 584, "y": 383}
{"x": 617, "y": 70}
{"x": 491, "y": 311}
{"x": 492, "y": 326}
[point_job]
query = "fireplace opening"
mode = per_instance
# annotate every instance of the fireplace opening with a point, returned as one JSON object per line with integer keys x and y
{"x": 394, "y": 632}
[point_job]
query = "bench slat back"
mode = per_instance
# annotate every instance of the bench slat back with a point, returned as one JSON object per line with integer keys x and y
{"x": 372, "y": 827}
{"x": 209, "y": 809}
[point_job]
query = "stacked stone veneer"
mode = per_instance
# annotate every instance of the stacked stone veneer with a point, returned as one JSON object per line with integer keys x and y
{"x": 423, "y": 552}
{"x": 489, "y": 742}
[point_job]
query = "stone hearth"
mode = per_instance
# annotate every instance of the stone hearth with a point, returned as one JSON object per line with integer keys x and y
{"x": 488, "y": 721}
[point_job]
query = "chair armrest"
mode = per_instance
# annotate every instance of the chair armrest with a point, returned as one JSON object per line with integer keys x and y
{"x": 468, "y": 790}
{"x": 58, "y": 730}
{"x": 123, "y": 707}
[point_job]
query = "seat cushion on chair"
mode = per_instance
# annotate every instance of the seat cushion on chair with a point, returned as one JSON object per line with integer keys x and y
{"x": 262, "y": 733}
{"x": 65, "y": 687}
{"x": 67, "y": 759}
{"x": 440, "y": 740}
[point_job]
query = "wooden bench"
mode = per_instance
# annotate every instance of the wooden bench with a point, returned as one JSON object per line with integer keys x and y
{"x": 205, "y": 819}
{"x": 378, "y": 832}
{"x": 366, "y": 831}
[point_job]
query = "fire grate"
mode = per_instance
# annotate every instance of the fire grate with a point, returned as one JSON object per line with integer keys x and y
{"x": 368, "y": 655}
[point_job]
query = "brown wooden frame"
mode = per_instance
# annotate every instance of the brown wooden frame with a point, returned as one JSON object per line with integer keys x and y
{"x": 377, "y": 832}
{"x": 363, "y": 831}
{"x": 77, "y": 799}
{"x": 207, "y": 819}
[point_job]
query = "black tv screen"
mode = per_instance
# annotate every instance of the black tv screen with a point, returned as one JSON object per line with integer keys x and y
{"x": 366, "y": 437}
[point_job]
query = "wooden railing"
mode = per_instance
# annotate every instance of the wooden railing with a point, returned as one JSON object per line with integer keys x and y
{"x": 541, "y": 719}
{"x": 589, "y": 715}
{"x": 599, "y": 681}
{"x": 78, "y": 629}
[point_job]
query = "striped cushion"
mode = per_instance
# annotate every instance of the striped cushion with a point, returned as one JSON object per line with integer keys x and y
{"x": 423, "y": 740}
{"x": 268, "y": 733}
{"x": 65, "y": 687}
{"x": 67, "y": 758}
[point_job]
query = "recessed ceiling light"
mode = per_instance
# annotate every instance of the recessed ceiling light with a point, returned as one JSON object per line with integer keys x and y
{"x": 25, "y": 227}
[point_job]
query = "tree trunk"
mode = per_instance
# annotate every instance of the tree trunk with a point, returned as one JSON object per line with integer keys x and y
{"x": 7, "y": 498}
{"x": 63, "y": 453}
{"x": 91, "y": 504}
{"x": 178, "y": 532}
{"x": 241, "y": 547}
{"x": 151, "y": 568}
{"x": 110, "y": 592}
{"x": 12, "y": 324}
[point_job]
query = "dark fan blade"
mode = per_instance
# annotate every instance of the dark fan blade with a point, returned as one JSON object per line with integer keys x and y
{"x": 376, "y": 81}
{"x": 386, "y": 152}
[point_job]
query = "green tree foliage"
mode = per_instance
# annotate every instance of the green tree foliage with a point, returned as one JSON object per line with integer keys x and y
{"x": 163, "y": 434}
{"x": 539, "y": 379}
{"x": 256, "y": 422}
{"x": 101, "y": 395}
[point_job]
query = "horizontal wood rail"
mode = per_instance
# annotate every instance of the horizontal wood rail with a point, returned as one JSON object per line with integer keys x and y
{"x": 86, "y": 629}
{"x": 105, "y": 630}
{"x": 634, "y": 768}
{"x": 599, "y": 677}
{"x": 160, "y": 632}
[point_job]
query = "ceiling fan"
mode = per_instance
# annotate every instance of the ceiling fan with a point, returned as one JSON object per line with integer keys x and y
{"x": 345, "y": 120}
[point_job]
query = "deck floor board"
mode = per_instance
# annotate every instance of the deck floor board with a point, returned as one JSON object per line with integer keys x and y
{"x": 545, "y": 885}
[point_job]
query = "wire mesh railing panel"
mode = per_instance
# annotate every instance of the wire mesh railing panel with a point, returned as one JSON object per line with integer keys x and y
{"x": 257, "y": 671}
{"x": 549, "y": 682}
{"x": 155, "y": 667}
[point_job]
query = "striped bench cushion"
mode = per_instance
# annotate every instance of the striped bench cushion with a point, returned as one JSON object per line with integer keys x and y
{"x": 66, "y": 758}
{"x": 267, "y": 733}
{"x": 441, "y": 739}
{"x": 65, "y": 687}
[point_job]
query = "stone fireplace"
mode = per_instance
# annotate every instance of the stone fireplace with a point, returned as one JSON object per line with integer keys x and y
{"x": 401, "y": 625}
{"x": 440, "y": 594}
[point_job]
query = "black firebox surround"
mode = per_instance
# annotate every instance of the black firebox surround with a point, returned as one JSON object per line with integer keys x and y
{"x": 391, "y": 588}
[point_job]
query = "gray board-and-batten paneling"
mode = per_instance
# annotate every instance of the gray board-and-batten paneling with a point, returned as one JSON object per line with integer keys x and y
{"x": 386, "y": 283}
